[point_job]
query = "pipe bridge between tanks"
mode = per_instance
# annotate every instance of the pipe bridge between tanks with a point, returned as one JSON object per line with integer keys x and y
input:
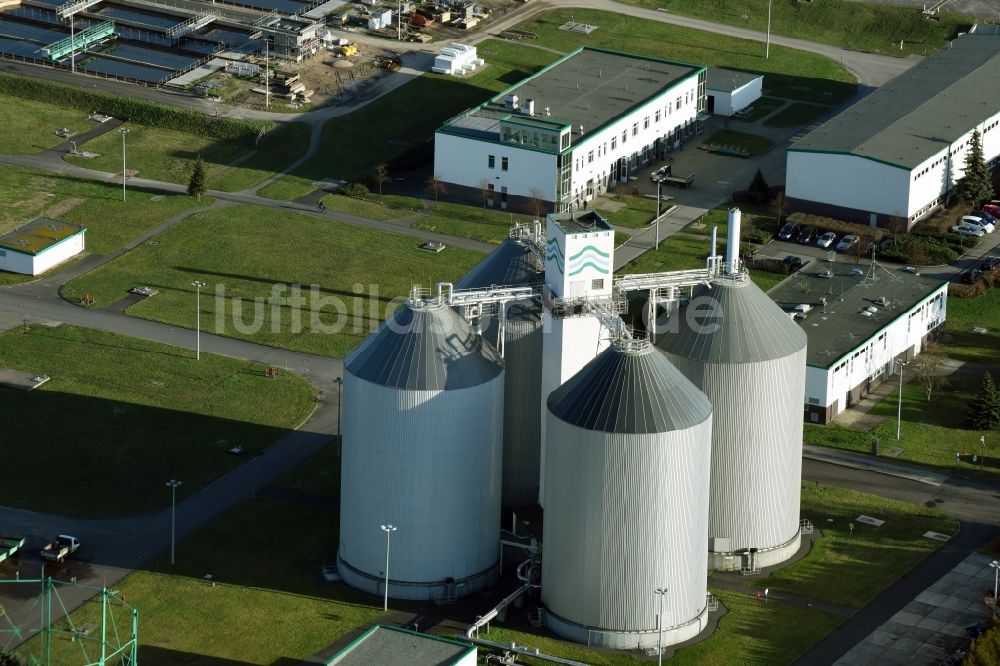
{"x": 661, "y": 288}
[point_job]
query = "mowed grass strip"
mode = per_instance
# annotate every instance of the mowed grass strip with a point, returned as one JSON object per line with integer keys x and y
{"x": 119, "y": 415}
{"x": 27, "y": 193}
{"x": 857, "y": 26}
{"x": 753, "y": 144}
{"x": 169, "y": 155}
{"x": 488, "y": 225}
{"x": 250, "y": 257}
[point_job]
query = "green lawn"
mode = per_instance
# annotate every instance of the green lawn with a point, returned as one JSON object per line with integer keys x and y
{"x": 753, "y": 144}
{"x": 852, "y": 25}
{"x": 26, "y": 193}
{"x": 264, "y": 605}
{"x": 120, "y": 415}
{"x": 796, "y": 115}
{"x": 30, "y": 126}
{"x": 375, "y": 207}
{"x": 487, "y": 225}
{"x": 353, "y": 144}
{"x": 850, "y": 569}
{"x": 169, "y": 155}
{"x": 763, "y": 107}
{"x": 636, "y": 213}
{"x": 964, "y": 314}
{"x": 246, "y": 253}
{"x": 796, "y": 72}
{"x": 320, "y": 475}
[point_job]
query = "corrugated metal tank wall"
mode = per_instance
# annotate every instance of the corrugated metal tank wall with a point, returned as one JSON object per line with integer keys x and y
{"x": 626, "y": 502}
{"x": 748, "y": 356}
{"x": 422, "y": 445}
{"x": 511, "y": 264}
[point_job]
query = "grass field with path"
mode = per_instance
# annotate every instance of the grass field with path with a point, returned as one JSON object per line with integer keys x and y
{"x": 110, "y": 222}
{"x": 30, "y": 126}
{"x": 488, "y": 225}
{"x": 119, "y": 413}
{"x": 169, "y": 155}
{"x": 250, "y": 256}
{"x": 856, "y": 26}
{"x": 373, "y": 207}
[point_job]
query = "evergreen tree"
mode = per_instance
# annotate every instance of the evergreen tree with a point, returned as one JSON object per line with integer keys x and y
{"x": 759, "y": 189}
{"x": 196, "y": 186}
{"x": 976, "y": 185}
{"x": 10, "y": 659}
{"x": 984, "y": 412}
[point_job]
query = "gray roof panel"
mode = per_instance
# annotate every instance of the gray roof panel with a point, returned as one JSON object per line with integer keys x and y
{"x": 732, "y": 322}
{"x": 920, "y": 112}
{"x": 630, "y": 390}
{"x": 728, "y": 80}
{"x": 425, "y": 347}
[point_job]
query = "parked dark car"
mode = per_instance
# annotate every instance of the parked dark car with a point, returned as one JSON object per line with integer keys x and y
{"x": 971, "y": 276}
{"x": 990, "y": 264}
{"x": 806, "y": 235}
{"x": 789, "y": 231}
{"x": 791, "y": 263}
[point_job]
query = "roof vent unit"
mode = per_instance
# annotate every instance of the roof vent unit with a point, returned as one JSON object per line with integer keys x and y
{"x": 822, "y": 301}
{"x": 882, "y": 301}
{"x": 867, "y": 313}
{"x": 828, "y": 274}
{"x": 528, "y": 107}
{"x": 857, "y": 271}
{"x": 548, "y": 111}
{"x": 803, "y": 308}
{"x": 512, "y": 101}
{"x": 581, "y": 129}
{"x": 871, "y": 309}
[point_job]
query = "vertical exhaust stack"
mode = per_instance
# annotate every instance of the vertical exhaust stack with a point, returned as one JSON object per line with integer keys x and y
{"x": 715, "y": 242}
{"x": 733, "y": 242}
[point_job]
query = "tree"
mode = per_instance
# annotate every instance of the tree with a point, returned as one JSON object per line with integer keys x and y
{"x": 536, "y": 204}
{"x": 779, "y": 201}
{"x": 759, "y": 190}
{"x": 380, "y": 176}
{"x": 976, "y": 185}
{"x": 10, "y": 659}
{"x": 436, "y": 186}
{"x": 927, "y": 369}
{"x": 484, "y": 190}
{"x": 197, "y": 186}
{"x": 984, "y": 412}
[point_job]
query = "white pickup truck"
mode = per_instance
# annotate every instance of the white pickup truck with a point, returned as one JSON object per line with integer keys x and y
{"x": 58, "y": 550}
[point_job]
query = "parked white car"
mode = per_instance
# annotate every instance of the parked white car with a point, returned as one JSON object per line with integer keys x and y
{"x": 988, "y": 227}
{"x": 827, "y": 239}
{"x": 969, "y": 230}
{"x": 847, "y": 242}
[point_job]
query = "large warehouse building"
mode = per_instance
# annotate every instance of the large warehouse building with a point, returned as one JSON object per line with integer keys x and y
{"x": 573, "y": 130}
{"x": 861, "y": 321}
{"x": 897, "y": 153}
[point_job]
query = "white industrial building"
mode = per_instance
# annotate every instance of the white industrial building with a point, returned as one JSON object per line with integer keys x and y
{"x": 897, "y": 153}
{"x": 729, "y": 91}
{"x": 861, "y": 320}
{"x": 457, "y": 59}
{"x": 38, "y": 245}
{"x": 575, "y": 129}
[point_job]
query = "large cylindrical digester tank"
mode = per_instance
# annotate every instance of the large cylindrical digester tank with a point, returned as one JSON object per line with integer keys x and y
{"x": 626, "y": 501}
{"x": 513, "y": 265}
{"x": 749, "y": 357}
{"x": 422, "y": 420}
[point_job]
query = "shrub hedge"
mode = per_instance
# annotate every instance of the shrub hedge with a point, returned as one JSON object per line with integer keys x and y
{"x": 128, "y": 108}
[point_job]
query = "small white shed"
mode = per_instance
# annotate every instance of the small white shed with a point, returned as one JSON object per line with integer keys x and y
{"x": 729, "y": 91}
{"x": 457, "y": 59}
{"x": 38, "y": 245}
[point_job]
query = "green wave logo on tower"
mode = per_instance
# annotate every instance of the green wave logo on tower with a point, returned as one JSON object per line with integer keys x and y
{"x": 589, "y": 257}
{"x": 554, "y": 252}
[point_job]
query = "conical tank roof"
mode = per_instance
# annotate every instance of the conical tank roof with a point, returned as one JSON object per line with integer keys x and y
{"x": 733, "y": 321}
{"x": 632, "y": 388}
{"x": 425, "y": 346}
{"x": 511, "y": 264}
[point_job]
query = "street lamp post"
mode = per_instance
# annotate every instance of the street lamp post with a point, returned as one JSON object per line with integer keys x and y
{"x": 982, "y": 458}
{"x": 767, "y": 44}
{"x": 197, "y": 284}
{"x": 995, "y": 565}
{"x": 661, "y": 592}
{"x": 173, "y": 485}
{"x": 339, "y": 381}
{"x": 899, "y": 403}
{"x": 124, "y": 131}
{"x": 659, "y": 185}
{"x": 388, "y": 529}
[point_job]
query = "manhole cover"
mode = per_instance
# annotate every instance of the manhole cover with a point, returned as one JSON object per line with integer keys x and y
{"x": 892, "y": 452}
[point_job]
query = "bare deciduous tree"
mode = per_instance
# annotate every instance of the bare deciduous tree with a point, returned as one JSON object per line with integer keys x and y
{"x": 436, "y": 187}
{"x": 927, "y": 369}
{"x": 380, "y": 176}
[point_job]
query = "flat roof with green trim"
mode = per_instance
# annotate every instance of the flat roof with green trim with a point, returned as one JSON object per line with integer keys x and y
{"x": 589, "y": 87}
{"x": 839, "y": 327}
{"x": 392, "y": 646}
{"x": 37, "y": 235}
{"x": 922, "y": 111}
